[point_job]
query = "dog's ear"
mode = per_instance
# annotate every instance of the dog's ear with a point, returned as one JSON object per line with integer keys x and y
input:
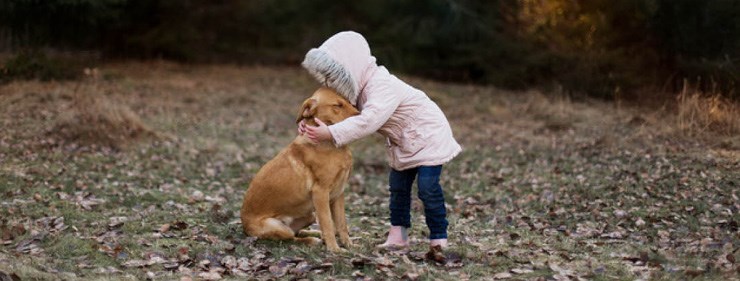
{"x": 308, "y": 110}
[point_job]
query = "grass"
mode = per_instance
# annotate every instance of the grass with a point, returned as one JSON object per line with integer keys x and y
{"x": 546, "y": 187}
{"x": 699, "y": 112}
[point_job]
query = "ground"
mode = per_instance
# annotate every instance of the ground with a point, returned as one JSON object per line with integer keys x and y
{"x": 546, "y": 188}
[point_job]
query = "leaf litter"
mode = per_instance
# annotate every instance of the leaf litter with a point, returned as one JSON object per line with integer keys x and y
{"x": 591, "y": 201}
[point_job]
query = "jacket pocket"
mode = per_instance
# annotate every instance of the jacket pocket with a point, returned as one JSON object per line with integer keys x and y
{"x": 411, "y": 141}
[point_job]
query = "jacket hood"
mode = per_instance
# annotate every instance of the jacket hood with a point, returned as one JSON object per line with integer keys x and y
{"x": 342, "y": 63}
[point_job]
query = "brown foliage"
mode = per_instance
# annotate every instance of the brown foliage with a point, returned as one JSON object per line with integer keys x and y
{"x": 93, "y": 118}
{"x": 698, "y": 113}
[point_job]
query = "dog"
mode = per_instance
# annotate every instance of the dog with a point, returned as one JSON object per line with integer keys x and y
{"x": 303, "y": 178}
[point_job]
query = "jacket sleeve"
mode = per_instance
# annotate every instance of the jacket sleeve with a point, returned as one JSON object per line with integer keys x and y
{"x": 380, "y": 104}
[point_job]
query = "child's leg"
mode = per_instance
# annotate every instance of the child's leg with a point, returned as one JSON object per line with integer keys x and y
{"x": 400, "y": 204}
{"x": 430, "y": 192}
{"x": 400, "y": 183}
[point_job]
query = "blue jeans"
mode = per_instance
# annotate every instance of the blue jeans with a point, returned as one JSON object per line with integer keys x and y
{"x": 430, "y": 193}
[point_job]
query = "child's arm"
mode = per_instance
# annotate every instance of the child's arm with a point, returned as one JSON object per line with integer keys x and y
{"x": 381, "y": 103}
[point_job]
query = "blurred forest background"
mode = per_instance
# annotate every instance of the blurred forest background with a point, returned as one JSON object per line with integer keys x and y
{"x": 609, "y": 49}
{"x": 601, "y": 138}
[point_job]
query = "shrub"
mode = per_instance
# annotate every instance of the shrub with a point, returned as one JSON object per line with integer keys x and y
{"x": 34, "y": 64}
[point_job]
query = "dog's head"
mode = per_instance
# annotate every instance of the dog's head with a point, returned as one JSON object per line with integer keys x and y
{"x": 326, "y": 105}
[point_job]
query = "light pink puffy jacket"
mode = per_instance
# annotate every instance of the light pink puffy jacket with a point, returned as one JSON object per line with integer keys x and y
{"x": 416, "y": 130}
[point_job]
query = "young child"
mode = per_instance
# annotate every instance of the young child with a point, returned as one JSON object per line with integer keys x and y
{"x": 419, "y": 138}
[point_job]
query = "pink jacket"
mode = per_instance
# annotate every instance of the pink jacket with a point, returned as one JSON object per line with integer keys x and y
{"x": 416, "y": 130}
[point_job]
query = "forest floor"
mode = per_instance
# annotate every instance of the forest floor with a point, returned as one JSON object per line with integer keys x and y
{"x": 138, "y": 172}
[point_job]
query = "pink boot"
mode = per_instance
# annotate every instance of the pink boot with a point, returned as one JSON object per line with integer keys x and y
{"x": 442, "y": 243}
{"x": 398, "y": 238}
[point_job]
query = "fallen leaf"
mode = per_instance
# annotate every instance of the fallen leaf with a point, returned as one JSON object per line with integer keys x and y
{"x": 562, "y": 271}
{"x": 410, "y": 276}
{"x": 693, "y": 272}
{"x": 171, "y": 265}
{"x": 29, "y": 246}
{"x": 502, "y": 275}
{"x": 136, "y": 263}
{"x": 229, "y": 247}
{"x": 238, "y": 272}
{"x": 210, "y": 275}
{"x": 323, "y": 266}
{"x": 179, "y": 225}
{"x": 301, "y": 268}
{"x": 87, "y": 200}
{"x": 9, "y": 277}
{"x": 204, "y": 264}
{"x": 613, "y": 235}
{"x": 417, "y": 256}
{"x": 116, "y": 222}
{"x": 229, "y": 262}
{"x": 243, "y": 264}
{"x": 435, "y": 254}
{"x": 383, "y": 262}
{"x": 521, "y": 270}
{"x": 279, "y": 270}
{"x": 360, "y": 262}
{"x": 644, "y": 256}
{"x": 107, "y": 270}
{"x": 620, "y": 213}
{"x": 453, "y": 260}
{"x": 9, "y": 233}
{"x": 217, "y": 199}
{"x": 197, "y": 196}
{"x": 164, "y": 228}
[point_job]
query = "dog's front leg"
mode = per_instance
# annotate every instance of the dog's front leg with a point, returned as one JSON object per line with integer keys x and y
{"x": 323, "y": 213}
{"x": 340, "y": 219}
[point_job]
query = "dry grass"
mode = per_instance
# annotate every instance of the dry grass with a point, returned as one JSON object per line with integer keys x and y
{"x": 699, "y": 113}
{"x": 94, "y": 118}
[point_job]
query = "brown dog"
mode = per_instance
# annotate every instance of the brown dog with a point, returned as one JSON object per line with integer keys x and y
{"x": 303, "y": 178}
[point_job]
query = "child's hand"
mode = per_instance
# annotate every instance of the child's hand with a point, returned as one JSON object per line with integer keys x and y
{"x": 301, "y": 127}
{"x": 319, "y": 133}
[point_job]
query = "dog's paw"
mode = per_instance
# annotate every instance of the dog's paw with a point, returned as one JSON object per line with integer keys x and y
{"x": 335, "y": 249}
{"x": 346, "y": 242}
{"x": 312, "y": 241}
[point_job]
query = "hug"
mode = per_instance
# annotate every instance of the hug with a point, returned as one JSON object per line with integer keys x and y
{"x": 305, "y": 182}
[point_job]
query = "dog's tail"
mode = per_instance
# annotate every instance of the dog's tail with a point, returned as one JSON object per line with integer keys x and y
{"x": 268, "y": 228}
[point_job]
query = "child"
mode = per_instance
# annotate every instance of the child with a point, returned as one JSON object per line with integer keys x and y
{"x": 419, "y": 138}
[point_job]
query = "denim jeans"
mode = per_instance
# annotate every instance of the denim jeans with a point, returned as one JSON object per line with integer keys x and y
{"x": 430, "y": 193}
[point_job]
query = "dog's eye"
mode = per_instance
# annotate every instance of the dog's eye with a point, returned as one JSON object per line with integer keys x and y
{"x": 338, "y": 105}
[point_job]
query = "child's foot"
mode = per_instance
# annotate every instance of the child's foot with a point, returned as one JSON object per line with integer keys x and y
{"x": 397, "y": 238}
{"x": 442, "y": 243}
